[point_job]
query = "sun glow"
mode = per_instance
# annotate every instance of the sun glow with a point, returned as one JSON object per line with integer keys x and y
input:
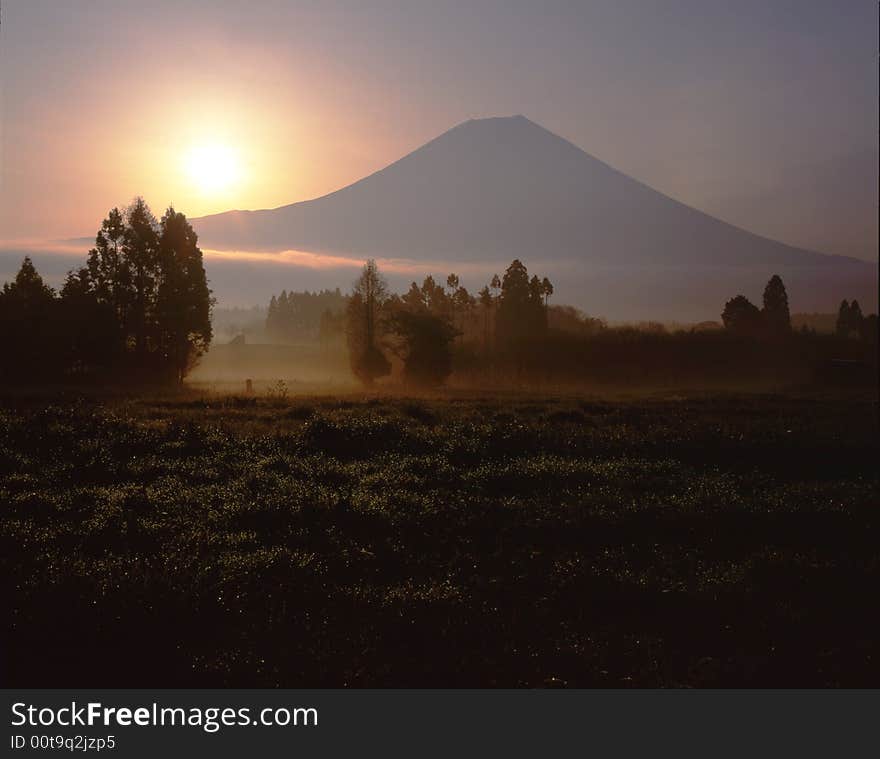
{"x": 213, "y": 167}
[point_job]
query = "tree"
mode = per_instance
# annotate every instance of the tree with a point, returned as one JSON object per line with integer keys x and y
{"x": 842, "y": 327}
{"x": 28, "y": 288}
{"x": 741, "y": 316}
{"x": 28, "y": 323}
{"x": 297, "y": 316}
{"x": 272, "y": 316}
{"x": 90, "y": 325}
{"x": 463, "y": 305}
{"x": 849, "y": 319}
{"x": 775, "y": 313}
{"x": 434, "y": 297}
{"x": 855, "y": 317}
{"x": 487, "y": 302}
{"x": 538, "y": 306}
{"x": 109, "y": 276}
{"x": 452, "y": 282}
{"x": 331, "y": 326}
{"x": 521, "y": 314}
{"x": 363, "y": 325}
{"x": 414, "y": 298}
{"x": 425, "y": 346}
{"x": 547, "y": 288}
{"x": 183, "y": 300}
{"x": 141, "y": 250}
{"x": 141, "y": 301}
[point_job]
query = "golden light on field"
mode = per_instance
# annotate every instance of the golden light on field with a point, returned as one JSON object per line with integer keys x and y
{"x": 213, "y": 167}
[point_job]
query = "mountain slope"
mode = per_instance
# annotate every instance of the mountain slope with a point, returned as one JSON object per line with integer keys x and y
{"x": 492, "y": 190}
{"x": 495, "y": 189}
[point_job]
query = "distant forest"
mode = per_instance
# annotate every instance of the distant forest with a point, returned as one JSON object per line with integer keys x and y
{"x": 294, "y": 317}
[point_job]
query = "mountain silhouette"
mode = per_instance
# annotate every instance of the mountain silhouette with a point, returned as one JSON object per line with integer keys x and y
{"x": 491, "y": 190}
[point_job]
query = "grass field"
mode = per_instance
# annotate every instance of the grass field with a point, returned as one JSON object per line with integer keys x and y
{"x": 462, "y": 541}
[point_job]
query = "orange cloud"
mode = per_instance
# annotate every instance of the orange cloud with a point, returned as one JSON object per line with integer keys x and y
{"x": 324, "y": 261}
{"x": 294, "y": 258}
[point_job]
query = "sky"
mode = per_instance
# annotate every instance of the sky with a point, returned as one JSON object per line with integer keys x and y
{"x": 764, "y": 114}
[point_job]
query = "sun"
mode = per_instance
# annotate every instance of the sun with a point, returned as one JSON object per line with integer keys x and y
{"x": 212, "y": 167}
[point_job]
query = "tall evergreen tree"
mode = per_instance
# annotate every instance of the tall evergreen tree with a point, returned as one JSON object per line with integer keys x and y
{"x": 90, "y": 325}
{"x": 547, "y": 287}
{"x": 110, "y": 275}
{"x": 28, "y": 323}
{"x": 843, "y": 321}
{"x": 452, "y": 282}
{"x": 363, "y": 325}
{"x": 777, "y": 319}
{"x": 487, "y": 303}
{"x": 849, "y": 319}
{"x": 521, "y": 314}
{"x": 141, "y": 251}
{"x": 183, "y": 300}
{"x": 272, "y": 316}
{"x": 856, "y": 317}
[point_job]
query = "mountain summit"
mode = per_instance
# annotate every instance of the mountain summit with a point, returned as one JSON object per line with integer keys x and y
{"x": 490, "y": 190}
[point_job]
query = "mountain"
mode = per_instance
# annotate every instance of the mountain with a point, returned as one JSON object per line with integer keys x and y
{"x": 494, "y": 189}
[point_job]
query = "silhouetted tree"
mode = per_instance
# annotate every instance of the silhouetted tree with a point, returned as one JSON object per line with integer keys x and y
{"x": 855, "y": 317}
{"x": 538, "y": 306}
{"x": 183, "y": 300}
{"x": 435, "y": 298}
{"x": 141, "y": 301}
{"x": 425, "y": 345}
{"x": 547, "y": 289}
{"x": 28, "y": 324}
{"x": 842, "y": 326}
{"x": 487, "y": 303}
{"x": 110, "y": 276}
{"x": 413, "y": 299}
{"x": 363, "y": 325}
{"x": 141, "y": 251}
{"x": 777, "y": 319}
{"x": 90, "y": 325}
{"x": 849, "y": 319}
{"x": 741, "y": 316}
{"x": 521, "y": 313}
{"x": 452, "y": 282}
{"x": 272, "y": 315}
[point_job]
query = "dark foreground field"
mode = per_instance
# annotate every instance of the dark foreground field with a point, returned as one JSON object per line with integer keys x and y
{"x": 476, "y": 542}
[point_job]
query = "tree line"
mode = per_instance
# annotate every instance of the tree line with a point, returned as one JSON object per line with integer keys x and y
{"x": 773, "y": 320}
{"x": 421, "y": 326}
{"x": 510, "y": 330}
{"x": 743, "y": 317}
{"x": 851, "y": 323}
{"x": 139, "y": 308}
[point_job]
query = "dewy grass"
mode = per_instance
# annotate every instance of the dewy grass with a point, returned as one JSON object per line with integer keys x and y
{"x": 719, "y": 540}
